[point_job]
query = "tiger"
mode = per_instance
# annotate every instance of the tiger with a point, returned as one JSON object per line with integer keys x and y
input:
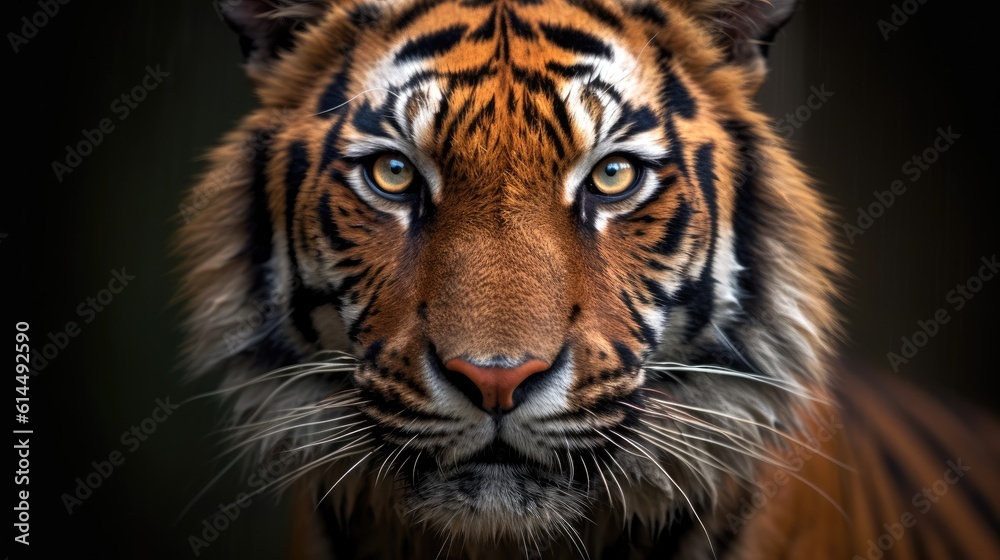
{"x": 537, "y": 279}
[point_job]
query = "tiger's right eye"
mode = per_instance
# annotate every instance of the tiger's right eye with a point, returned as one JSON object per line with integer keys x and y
{"x": 614, "y": 178}
{"x": 391, "y": 175}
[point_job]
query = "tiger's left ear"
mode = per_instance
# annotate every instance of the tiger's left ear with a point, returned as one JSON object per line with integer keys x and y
{"x": 266, "y": 27}
{"x": 746, "y": 28}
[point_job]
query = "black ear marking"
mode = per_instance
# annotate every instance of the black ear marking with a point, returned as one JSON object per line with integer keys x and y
{"x": 266, "y": 27}
{"x": 752, "y": 26}
{"x": 745, "y": 28}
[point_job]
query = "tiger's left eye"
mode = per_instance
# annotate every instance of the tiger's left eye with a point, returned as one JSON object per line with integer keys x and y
{"x": 391, "y": 175}
{"x": 615, "y": 176}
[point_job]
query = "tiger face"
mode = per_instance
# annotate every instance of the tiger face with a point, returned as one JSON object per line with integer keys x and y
{"x": 570, "y": 268}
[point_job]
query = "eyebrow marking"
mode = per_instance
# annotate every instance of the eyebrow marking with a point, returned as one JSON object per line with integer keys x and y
{"x": 431, "y": 44}
{"x": 577, "y": 41}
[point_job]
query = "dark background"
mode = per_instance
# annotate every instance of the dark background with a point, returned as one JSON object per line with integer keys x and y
{"x": 118, "y": 209}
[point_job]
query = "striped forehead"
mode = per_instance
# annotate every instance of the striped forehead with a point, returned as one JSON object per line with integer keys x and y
{"x": 604, "y": 93}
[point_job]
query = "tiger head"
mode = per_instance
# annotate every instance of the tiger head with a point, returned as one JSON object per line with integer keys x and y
{"x": 534, "y": 262}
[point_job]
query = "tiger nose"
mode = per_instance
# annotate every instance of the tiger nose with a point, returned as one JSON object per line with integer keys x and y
{"x": 496, "y": 384}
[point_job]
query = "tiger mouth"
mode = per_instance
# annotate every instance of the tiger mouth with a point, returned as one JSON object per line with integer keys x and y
{"x": 500, "y": 453}
{"x": 501, "y": 459}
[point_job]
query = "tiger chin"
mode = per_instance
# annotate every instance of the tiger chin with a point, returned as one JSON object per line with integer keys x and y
{"x": 533, "y": 278}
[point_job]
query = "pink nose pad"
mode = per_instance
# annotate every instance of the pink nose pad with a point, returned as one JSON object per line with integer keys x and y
{"x": 497, "y": 384}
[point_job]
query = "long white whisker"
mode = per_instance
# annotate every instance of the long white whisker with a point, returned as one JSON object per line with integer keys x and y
{"x": 369, "y": 90}
{"x": 690, "y": 504}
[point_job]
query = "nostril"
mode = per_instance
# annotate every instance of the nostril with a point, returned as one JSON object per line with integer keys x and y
{"x": 493, "y": 387}
{"x": 527, "y": 386}
{"x": 463, "y": 384}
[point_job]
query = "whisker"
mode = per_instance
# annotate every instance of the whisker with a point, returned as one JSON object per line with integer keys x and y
{"x": 690, "y": 504}
{"x": 369, "y": 90}
{"x": 789, "y": 387}
{"x": 345, "y": 474}
{"x": 764, "y": 427}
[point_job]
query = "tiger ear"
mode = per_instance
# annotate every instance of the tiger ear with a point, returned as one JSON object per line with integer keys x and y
{"x": 746, "y": 29}
{"x": 266, "y": 27}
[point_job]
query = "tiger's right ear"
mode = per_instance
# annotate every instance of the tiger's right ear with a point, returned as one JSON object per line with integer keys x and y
{"x": 744, "y": 29}
{"x": 266, "y": 27}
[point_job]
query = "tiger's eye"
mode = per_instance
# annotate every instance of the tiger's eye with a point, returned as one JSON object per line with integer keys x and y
{"x": 613, "y": 176}
{"x": 392, "y": 173}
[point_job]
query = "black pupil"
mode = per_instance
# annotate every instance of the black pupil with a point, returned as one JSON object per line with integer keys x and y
{"x": 611, "y": 169}
{"x": 396, "y": 166}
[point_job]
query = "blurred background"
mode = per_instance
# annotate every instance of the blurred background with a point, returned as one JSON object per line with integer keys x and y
{"x": 858, "y": 101}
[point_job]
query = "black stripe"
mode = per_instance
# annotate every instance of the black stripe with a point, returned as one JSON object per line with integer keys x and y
{"x": 330, "y": 228}
{"x": 295, "y": 175}
{"x": 746, "y": 214}
{"x": 408, "y": 17}
{"x": 701, "y": 295}
{"x": 303, "y": 299}
{"x": 355, "y": 328}
{"x": 574, "y": 40}
{"x": 431, "y": 44}
{"x": 520, "y": 27}
{"x": 570, "y": 70}
{"x": 676, "y": 228}
{"x": 650, "y": 13}
{"x": 502, "y": 50}
{"x": 601, "y": 88}
{"x": 469, "y": 76}
{"x": 482, "y": 115}
{"x": 634, "y": 121}
{"x": 419, "y": 78}
{"x": 628, "y": 359}
{"x": 449, "y": 136}
{"x": 643, "y": 332}
{"x": 349, "y": 262}
{"x": 540, "y": 83}
{"x": 665, "y": 184}
{"x": 600, "y": 13}
{"x": 676, "y": 97}
{"x": 676, "y": 147}
{"x": 530, "y": 112}
{"x": 487, "y": 30}
{"x": 259, "y": 231}
{"x": 335, "y": 95}
{"x": 439, "y": 116}
{"x": 369, "y": 120}
{"x": 330, "y": 151}
{"x": 553, "y": 135}
{"x": 346, "y": 287}
{"x": 660, "y": 297}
